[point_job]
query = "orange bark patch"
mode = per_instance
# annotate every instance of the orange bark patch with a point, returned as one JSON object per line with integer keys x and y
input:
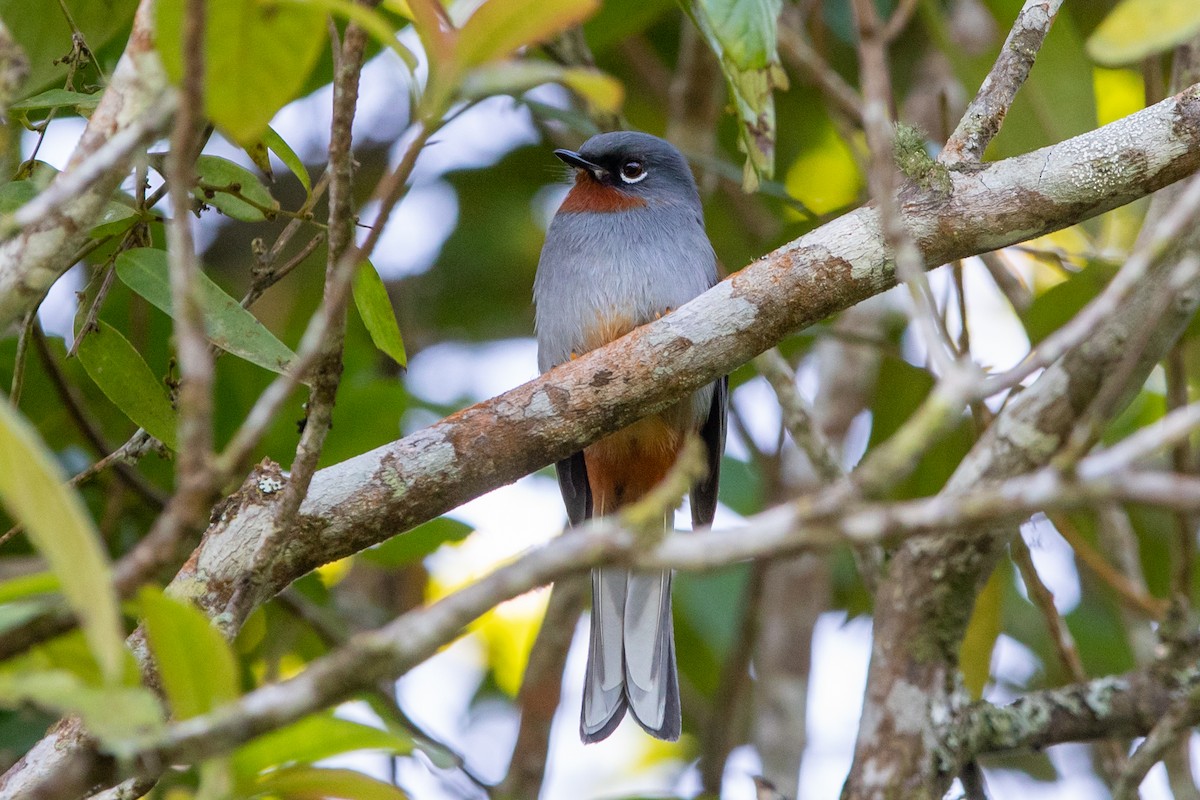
{"x": 588, "y": 194}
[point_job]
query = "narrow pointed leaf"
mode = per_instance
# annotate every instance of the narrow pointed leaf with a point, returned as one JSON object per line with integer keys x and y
{"x": 124, "y": 377}
{"x": 375, "y": 308}
{"x": 34, "y": 492}
{"x": 313, "y": 783}
{"x": 228, "y": 325}
{"x": 312, "y": 739}
{"x": 288, "y": 156}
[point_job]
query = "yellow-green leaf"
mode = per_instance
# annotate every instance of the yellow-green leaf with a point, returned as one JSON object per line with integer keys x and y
{"x": 375, "y": 308}
{"x": 228, "y": 325}
{"x": 124, "y": 377}
{"x": 311, "y": 739}
{"x": 198, "y": 669}
{"x": 1136, "y": 29}
{"x": 602, "y": 92}
{"x": 313, "y": 783}
{"x": 975, "y": 655}
{"x": 257, "y": 57}
{"x": 33, "y": 490}
{"x": 123, "y": 718}
{"x": 499, "y": 27}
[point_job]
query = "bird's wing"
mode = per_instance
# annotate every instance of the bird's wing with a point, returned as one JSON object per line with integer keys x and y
{"x": 575, "y": 489}
{"x": 704, "y": 492}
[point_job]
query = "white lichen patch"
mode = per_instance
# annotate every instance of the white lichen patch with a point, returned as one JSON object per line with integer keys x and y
{"x": 1100, "y": 694}
{"x": 539, "y": 406}
{"x": 268, "y": 484}
{"x": 907, "y": 705}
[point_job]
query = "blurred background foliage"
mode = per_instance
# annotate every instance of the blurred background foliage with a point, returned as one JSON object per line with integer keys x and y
{"x": 461, "y": 306}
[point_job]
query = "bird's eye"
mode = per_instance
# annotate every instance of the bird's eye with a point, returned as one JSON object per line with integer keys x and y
{"x": 632, "y": 171}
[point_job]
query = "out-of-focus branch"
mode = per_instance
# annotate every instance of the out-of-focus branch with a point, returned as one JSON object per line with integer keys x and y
{"x": 542, "y": 688}
{"x": 397, "y": 647}
{"x": 986, "y": 112}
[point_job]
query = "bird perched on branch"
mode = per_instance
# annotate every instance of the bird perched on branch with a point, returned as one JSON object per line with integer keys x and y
{"x": 627, "y": 246}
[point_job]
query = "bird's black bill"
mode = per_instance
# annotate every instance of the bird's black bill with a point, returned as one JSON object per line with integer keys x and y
{"x": 575, "y": 160}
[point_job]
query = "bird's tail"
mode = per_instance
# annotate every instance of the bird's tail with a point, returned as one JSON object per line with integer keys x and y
{"x": 631, "y": 657}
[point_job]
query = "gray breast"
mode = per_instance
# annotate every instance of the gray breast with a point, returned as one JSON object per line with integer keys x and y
{"x": 635, "y": 263}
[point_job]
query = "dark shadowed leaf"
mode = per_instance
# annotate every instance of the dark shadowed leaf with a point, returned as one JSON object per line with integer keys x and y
{"x": 121, "y": 373}
{"x": 417, "y": 543}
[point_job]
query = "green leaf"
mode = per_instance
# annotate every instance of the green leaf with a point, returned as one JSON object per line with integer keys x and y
{"x": 121, "y": 373}
{"x": 742, "y": 34}
{"x": 198, "y": 669}
{"x": 15, "y": 194}
{"x": 289, "y": 158}
{"x": 116, "y": 219}
{"x": 257, "y": 56}
{"x": 57, "y": 98}
{"x": 499, "y": 27}
{"x": 312, "y": 739}
{"x": 375, "y": 308}
{"x": 1054, "y": 307}
{"x": 312, "y": 783}
{"x": 1136, "y": 29}
{"x": 233, "y": 189}
{"x": 121, "y": 717}
{"x": 44, "y": 34}
{"x": 34, "y": 492}
{"x": 602, "y": 92}
{"x": 414, "y": 545}
{"x": 228, "y": 325}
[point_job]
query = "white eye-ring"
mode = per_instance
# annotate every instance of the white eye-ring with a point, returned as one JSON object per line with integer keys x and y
{"x": 632, "y": 171}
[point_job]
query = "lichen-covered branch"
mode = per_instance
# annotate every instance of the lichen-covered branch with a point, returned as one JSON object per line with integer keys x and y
{"x": 986, "y": 113}
{"x": 388, "y": 490}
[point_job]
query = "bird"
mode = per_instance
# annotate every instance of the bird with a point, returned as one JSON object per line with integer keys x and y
{"x": 627, "y": 246}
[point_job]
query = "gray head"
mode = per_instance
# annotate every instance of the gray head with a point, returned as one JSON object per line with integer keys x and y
{"x": 640, "y": 166}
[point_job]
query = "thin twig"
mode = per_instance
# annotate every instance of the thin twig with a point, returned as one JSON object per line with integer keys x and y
{"x": 1128, "y": 592}
{"x": 18, "y": 378}
{"x": 797, "y": 417}
{"x": 986, "y": 112}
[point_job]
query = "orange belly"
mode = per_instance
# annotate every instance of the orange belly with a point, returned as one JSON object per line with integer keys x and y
{"x": 624, "y": 466}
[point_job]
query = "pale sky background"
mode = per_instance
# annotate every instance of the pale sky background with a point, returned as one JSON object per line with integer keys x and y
{"x": 516, "y": 517}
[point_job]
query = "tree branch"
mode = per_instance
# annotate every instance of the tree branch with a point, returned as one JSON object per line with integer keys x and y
{"x": 372, "y": 496}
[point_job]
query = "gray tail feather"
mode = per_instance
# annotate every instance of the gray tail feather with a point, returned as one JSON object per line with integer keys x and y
{"x": 631, "y": 656}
